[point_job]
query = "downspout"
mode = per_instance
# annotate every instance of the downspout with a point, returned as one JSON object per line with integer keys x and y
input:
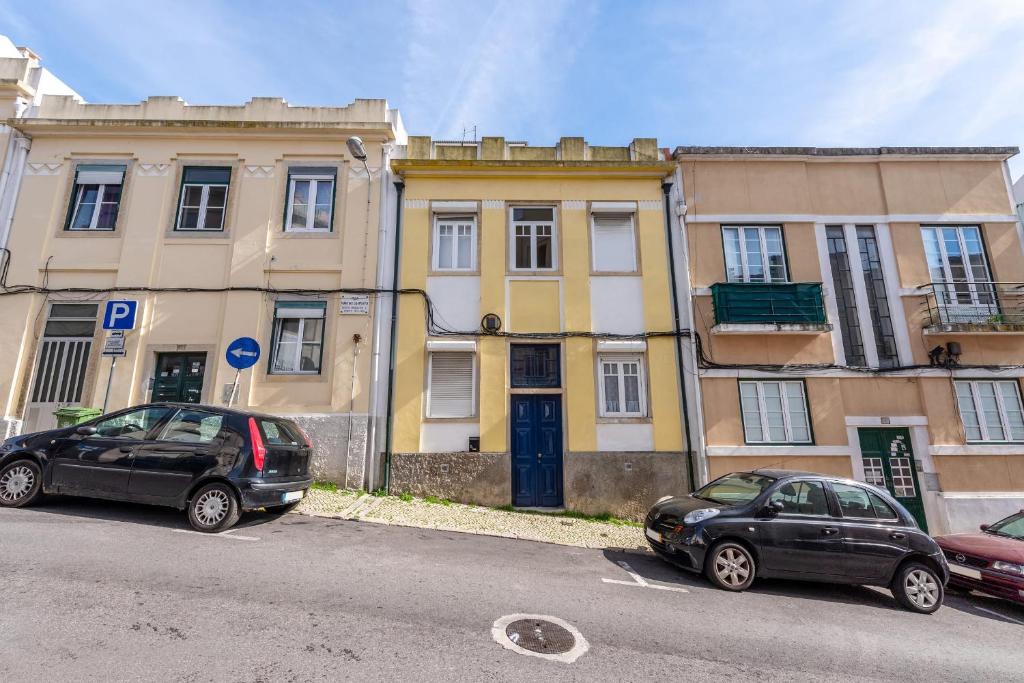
{"x": 372, "y": 452}
{"x": 666, "y": 187}
{"x": 388, "y": 435}
{"x": 10, "y": 181}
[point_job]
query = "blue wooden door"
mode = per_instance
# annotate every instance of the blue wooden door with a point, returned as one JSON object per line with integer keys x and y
{"x": 537, "y": 450}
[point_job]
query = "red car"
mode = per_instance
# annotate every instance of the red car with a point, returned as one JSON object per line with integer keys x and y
{"x": 990, "y": 562}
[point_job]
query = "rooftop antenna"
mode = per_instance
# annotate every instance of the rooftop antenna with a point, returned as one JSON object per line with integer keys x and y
{"x": 466, "y": 130}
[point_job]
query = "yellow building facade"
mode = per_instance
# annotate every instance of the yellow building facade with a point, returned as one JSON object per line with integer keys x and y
{"x": 540, "y": 368}
{"x": 859, "y": 313}
{"x": 220, "y": 222}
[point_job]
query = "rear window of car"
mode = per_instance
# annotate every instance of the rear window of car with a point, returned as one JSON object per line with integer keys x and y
{"x": 857, "y": 502}
{"x": 280, "y": 432}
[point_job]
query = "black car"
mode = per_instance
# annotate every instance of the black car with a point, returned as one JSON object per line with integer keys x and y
{"x": 211, "y": 461}
{"x": 799, "y": 525}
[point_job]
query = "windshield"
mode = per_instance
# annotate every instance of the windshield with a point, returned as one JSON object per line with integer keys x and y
{"x": 1012, "y": 526}
{"x": 735, "y": 489}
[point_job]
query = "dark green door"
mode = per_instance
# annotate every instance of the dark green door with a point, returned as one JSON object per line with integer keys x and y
{"x": 179, "y": 377}
{"x": 889, "y": 463}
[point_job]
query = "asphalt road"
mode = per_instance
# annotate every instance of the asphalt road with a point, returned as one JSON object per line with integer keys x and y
{"x": 99, "y": 591}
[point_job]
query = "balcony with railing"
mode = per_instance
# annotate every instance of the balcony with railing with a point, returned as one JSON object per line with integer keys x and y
{"x": 978, "y": 307}
{"x": 757, "y": 307}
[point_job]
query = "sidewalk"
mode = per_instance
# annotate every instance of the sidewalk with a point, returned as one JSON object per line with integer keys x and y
{"x": 472, "y": 519}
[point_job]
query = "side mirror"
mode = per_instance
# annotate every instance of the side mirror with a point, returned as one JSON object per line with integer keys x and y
{"x": 775, "y": 507}
{"x": 984, "y": 527}
{"x": 86, "y": 430}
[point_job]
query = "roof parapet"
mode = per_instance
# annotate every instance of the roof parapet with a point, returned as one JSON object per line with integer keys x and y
{"x": 1005, "y": 152}
{"x": 422, "y": 147}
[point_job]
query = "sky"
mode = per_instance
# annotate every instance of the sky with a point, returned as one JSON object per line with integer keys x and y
{"x": 778, "y": 72}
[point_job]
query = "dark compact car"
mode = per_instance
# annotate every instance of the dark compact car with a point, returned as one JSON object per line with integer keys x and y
{"x": 799, "y": 525}
{"x": 212, "y": 462}
{"x": 991, "y": 561}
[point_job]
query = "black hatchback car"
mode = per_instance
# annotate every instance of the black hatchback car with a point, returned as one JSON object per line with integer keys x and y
{"x": 799, "y": 525}
{"x": 212, "y": 462}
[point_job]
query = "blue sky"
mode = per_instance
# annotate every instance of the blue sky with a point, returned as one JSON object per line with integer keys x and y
{"x": 864, "y": 73}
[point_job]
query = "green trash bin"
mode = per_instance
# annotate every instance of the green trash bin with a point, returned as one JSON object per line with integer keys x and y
{"x": 69, "y": 416}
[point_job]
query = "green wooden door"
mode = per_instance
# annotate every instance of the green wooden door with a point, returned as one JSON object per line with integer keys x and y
{"x": 888, "y": 460}
{"x": 179, "y": 377}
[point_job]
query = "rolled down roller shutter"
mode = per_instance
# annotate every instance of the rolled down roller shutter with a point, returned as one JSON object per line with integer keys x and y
{"x": 613, "y": 243}
{"x": 451, "y": 384}
{"x": 99, "y": 174}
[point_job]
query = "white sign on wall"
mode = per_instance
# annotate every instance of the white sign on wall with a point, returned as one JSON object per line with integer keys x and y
{"x": 355, "y": 304}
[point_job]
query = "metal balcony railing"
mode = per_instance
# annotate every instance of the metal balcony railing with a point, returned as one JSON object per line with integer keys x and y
{"x": 779, "y": 303}
{"x": 975, "y": 303}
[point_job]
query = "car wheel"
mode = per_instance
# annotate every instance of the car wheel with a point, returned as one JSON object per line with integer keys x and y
{"x": 213, "y": 508}
{"x": 918, "y": 588}
{"x": 282, "y": 509}
{"x": 730, "y": 566}
{"x": 21, "y": 484}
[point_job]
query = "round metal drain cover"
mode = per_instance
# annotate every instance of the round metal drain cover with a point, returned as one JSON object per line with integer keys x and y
{"x": 538, "y": 635}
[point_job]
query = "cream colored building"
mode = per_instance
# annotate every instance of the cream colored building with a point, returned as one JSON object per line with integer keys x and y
{"x": 221, "y": 222}
{"x": 861, "y": 313}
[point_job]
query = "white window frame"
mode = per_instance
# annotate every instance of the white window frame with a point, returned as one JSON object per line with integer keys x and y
{"x": 203, "y": 205}
{"x": 100, "y": 192}
{"x": 430, "y": 384}
{"x": 533, "y": 225}
{"x": 949, "y": 293}
{"x": 620, "y": 358}
{"x": 314, "y": 180}
{"x": 786, "y": 418}
{"x": 1004, "y": 421}
{"x": 594, "y": 216}
{"x": 762, "y": 243}
{"x": 454, "y": 222}
{"x": 314, "y": 313}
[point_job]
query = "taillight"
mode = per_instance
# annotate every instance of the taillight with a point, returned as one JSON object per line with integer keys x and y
{"x": 309, "y": 442}
{"x": 259, "y": 451}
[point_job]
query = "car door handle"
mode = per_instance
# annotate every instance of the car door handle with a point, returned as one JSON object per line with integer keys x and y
{"x": 539, "y": 456}
{"x": 126, "y": 449}
{"x": 897, "y": 535}
{"x": 830, "y": 530}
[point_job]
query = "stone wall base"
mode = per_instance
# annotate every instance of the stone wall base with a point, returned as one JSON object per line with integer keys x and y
{"x": 339, "y": 446}
{"x": 622, "y": 484}
{"x": 479, "y": 478}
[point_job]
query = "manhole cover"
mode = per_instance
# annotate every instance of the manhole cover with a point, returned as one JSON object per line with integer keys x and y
{"x": 537, "y": 635}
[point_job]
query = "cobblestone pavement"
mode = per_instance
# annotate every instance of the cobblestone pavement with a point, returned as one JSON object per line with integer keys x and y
{"x": 472, "y": 519}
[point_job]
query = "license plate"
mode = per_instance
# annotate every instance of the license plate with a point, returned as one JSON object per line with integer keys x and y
{"x": 965, "y": 571}
{"x": 290, "y": 496}
{"x": 653, "y": 535}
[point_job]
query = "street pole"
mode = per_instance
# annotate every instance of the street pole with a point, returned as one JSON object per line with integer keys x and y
{"x": 234, "y": 388}
{"x": 110, "y": 377}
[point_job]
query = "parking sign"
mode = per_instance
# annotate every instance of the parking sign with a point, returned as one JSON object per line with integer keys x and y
{"x": 120, "y": 315}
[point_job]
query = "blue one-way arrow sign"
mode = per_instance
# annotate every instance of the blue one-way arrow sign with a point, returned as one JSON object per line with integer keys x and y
{"x": 243, "y": 353}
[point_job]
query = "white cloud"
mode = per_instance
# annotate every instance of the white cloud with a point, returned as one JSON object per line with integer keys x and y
{"x": 881, "y": 93}
{"x": 501, "y": 70}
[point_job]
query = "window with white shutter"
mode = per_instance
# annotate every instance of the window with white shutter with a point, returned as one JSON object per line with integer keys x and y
{"x": 614, "y": 244}
{"x": 451, "y": 391}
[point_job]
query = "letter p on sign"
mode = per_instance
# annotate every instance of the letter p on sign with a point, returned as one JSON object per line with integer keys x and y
{"x": 120, "y": 315}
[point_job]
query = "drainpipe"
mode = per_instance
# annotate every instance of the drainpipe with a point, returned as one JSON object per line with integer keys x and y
{"x": 666, "y": 187}
{"x": 388, "y": 435}
{"x": 372, "y": 452}
{"x": 10, "y": 181}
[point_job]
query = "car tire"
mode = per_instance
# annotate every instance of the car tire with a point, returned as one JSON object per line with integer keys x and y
{"x": 918, "y": 588}
{"x": 213, "y": 508}
{"x": 282, "y": 509}
{"x": 21, "y": 484}
{"x": 730, "y": 566}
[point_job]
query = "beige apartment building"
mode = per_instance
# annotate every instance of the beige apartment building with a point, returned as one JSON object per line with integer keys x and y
{"x": 221, "y": 222}
{"x": 859, "y": 312}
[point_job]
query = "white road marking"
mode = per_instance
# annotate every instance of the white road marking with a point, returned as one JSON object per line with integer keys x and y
{"x": 222, "y": 534}
{"x": 640, "y": 582}
{"x": 999, "y": 614}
